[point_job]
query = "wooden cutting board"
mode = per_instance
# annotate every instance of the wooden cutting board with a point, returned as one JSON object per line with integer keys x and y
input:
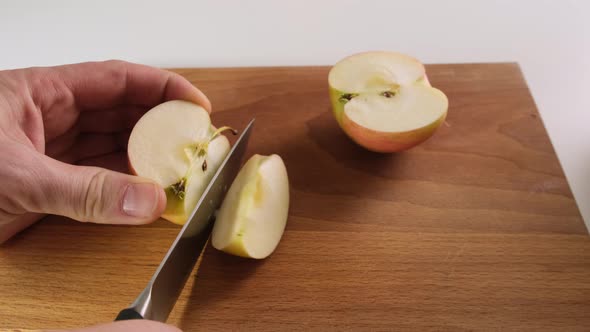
{"x": 476, "y": 229}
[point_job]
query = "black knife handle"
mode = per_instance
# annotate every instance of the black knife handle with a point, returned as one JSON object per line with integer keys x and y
{"x": 127, "y": 314}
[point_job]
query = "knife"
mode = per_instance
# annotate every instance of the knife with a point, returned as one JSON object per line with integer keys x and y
{"x": 156, "y": 301}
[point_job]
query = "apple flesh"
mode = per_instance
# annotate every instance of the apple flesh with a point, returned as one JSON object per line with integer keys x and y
{"x": 253, "y": 215}
{"x": 384, "y": 101}
{"x": 176, "y": 145}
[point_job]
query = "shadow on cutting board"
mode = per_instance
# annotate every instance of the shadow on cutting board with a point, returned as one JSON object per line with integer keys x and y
{"x": 217, "y": 279}
{"x": 325, "y": 132}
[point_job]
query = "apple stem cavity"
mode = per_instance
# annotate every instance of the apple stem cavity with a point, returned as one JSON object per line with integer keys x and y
{"x": 179, "y": 188}
{"x": 346, "y": 97}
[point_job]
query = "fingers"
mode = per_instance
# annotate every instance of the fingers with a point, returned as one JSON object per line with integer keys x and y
{"x": 101, "y": 85}
{"x": 148, "y": 86}
{"x": 94, "y": 194}
{"x": 130, "y": 326}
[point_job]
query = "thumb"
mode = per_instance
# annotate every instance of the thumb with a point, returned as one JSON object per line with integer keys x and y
{"x": 97, "y": 195}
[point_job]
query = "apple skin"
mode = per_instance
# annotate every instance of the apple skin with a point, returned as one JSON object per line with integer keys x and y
{"x": 174, "y": 211}
{"x": 387, "y": 142}
{"x": 378, "y": 141}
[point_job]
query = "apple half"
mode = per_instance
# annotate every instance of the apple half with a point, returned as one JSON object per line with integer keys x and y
{"x": 176, "y": 145}
{"x": 253, "y": 215}
{"x": 384, "y": 102}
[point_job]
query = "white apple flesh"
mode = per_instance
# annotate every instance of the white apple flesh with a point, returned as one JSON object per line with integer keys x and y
{"x": 175, "y": 145}
{"x": 253, "y": 215}
{"x": 384, "y": 102}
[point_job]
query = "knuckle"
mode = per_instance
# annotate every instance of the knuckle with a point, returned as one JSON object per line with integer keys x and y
{"x": 116, "y": 71}
{"x": 116, "y": 62}
{"x": 49, "y": 91}
{"x": 118, "y": 68}
{"x": 94, "y": 197}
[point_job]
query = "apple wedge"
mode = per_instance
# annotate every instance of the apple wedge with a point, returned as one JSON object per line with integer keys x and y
{"x": 253, "y": 215}
{"x": 384, "y": 102}
{"x": 175, "y": 145}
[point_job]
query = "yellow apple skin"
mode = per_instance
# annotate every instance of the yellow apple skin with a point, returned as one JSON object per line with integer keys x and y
{"x": 337, "y": 106}
{"x": 175, "y": 211}
{"x": 386, "y": 142}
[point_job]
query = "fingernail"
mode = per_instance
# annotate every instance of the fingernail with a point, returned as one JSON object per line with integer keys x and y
{"x": 140, "y": 200}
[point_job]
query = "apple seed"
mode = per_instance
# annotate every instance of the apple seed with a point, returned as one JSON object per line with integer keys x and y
{"x": 388, "y": 94}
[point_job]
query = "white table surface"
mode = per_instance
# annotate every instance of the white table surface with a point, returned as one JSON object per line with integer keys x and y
{"x": 550, "y": 40}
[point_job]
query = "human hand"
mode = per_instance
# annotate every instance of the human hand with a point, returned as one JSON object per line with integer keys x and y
{"x": 63, "y": 132}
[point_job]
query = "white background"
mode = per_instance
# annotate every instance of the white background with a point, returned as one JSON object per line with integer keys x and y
{"x": 550, "y": 40}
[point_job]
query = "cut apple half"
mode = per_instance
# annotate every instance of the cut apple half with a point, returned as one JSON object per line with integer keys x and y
{"x": 176, "y": 145}
{"x": 384, "y": 101}
{"x": 253, "y": 215}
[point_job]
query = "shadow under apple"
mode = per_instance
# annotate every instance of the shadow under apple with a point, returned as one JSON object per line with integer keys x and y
{"x": 325, "y": 132}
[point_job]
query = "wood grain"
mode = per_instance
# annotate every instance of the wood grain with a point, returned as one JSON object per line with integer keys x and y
{"x": 476, "y": 229}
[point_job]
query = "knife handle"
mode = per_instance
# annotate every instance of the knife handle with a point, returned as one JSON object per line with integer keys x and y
{"x": 127, "y": 314}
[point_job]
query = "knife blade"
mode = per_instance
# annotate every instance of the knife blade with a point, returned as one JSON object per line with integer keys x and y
{"x": 156, "y": 301}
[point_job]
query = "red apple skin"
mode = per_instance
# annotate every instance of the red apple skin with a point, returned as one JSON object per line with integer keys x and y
{"x": 386, "y": 142}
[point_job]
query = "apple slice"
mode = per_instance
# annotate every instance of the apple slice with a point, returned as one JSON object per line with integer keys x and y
{"x": 175, "y": 145}
{"x": 253, "y": 215}
{"x": 384, "y": 102}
